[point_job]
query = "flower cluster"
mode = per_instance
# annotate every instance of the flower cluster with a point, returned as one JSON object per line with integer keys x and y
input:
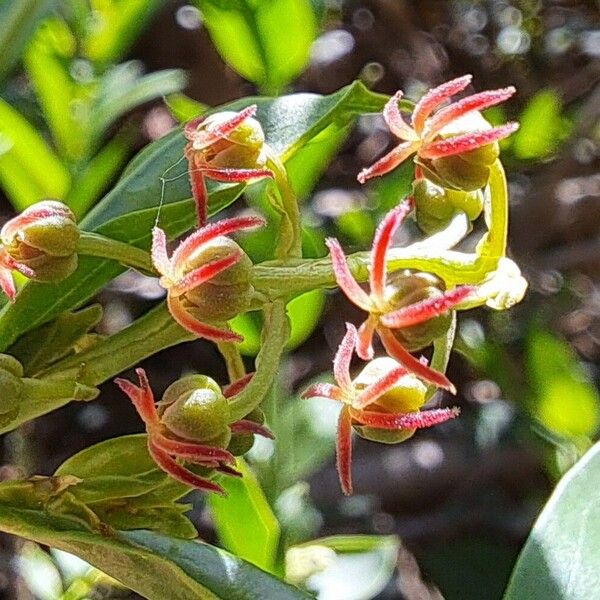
{"x": 454, "y": 147}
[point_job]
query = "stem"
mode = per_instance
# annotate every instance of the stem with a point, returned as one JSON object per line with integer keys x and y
{"x": 233, "y": 360}
{"x": 275, "y": 336}
{"x": 154, "y": 331}
{"x": 442, "y": 348}
{"x": 290, "y": 235}
{"x": 493, "y": 244}
{"x": 94, "y": 244}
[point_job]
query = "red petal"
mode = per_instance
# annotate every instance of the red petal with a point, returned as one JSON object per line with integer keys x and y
{"x": 160, "y": 259}
{"x": 237, "y": 175}
{"x": 228, "y": 471}
{"x": 203, "y": 330}
{"x": 396, "y": 350}
{"x": 394, "y": 120}
{"x": 435, "y": 97}
{"x": 416, "y": 313}
{"x": 192, "y": 451}
{"x": 199, "y": 191}
{"x": 245, "y": 426}
{"x": 381, "y": 244}
{"x": 343, "y": 357}
{"x": 379, "y": 388}
{"x": 7, "y": 283}
{"x": 181, "y": 474}
{"x": 202, "y": 274}
{"x": 323, "y": 390}
{"x": 466, "y": 142}
{"x": 413, "y": 420}
{"x": 210, "y": 134}
{"x": 237, "y": 386}
{"x": 209, "y": 232}
{"x": 364, "y": 345}
{"x": 389, "y": 162}
{"x": 344, "y": 451}
{"x": 190, "y": 129}
{"x": 479, "y": 101}
{"x": 142, "y": 399}
{"x": 344, "y": 277}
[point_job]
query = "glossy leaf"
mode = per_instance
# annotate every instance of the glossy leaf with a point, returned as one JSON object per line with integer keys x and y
{"x": 245, "y": 523}
{"x": 560, "y": 557}
{"x": 153, "y": 565}
{"x": 19, "y": 20}
{"x": 265, "y": 42}
{"x": 129, "y": 210}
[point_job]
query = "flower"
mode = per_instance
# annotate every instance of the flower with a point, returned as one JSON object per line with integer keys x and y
{"x": 41, "y": 243}
{"x": 226, "y": 146}
{"x": 190, "y": 425}
{"x": 382, "y": 404}
{"x": 455, "y": 130}
{"x": 207, "y": 278}
{"x": 391, "y": 306}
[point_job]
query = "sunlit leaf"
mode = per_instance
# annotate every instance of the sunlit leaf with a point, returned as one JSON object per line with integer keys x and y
{"x": 266, "y": 42}
{"x": 560, "y": 557}
{"x": 244, "y": 520}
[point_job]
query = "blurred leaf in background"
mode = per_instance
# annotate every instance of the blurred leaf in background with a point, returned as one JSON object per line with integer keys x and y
{"x": 266, "y": 41}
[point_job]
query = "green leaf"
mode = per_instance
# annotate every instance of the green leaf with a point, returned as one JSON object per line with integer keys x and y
{"x": 116, "y": 25}
{"x": 19, "y": 20}
{"x": 565, "y": 399}
{"x": 244, "y": 520}
{"x": 128, "y": 212}
{"x": 184, "y": 108}
{"x": 542, "y": 127}
{"x": 267, "y": 42}
{"x": 59, "y": 337}
{"x": 338, "y": 565}
{"x": 560, "y": 557}
{"x": 153, "y": 565}
{"x": 29, "y": 169}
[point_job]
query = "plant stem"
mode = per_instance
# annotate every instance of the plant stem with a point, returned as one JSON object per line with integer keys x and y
{"x": 94, "y": 244}
{"x": 233, "y": 360}
{"x": 275, "y": 335}
{"x": 442, "y": 348}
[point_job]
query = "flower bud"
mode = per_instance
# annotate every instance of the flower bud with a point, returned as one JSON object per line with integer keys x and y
{"x": 239, "y": 148}
{"x": 407, "y": 396}
{"x": 409, "y": 288}
{"x": 43, "y": 237}
{"x": 467, "y": 171}
{"x": 11, "y": 372}
{"x": 436, "y": 205}
{"x": 195, "y": 409}
{"x": 226, "y": 294}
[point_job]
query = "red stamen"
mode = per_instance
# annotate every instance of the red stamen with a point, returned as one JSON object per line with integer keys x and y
{"x": 381, "y": 244}
{"x": 426, "y": 309}
{"x": 389, "y": 162}
{"x": 344, "y": 451}
{"x": 435, "y": 97}
{"x": 396, "y": 350}
{"x": 467, "y": 142}
{"x": 478, "y": 102}
{"x": 345, "y": 278}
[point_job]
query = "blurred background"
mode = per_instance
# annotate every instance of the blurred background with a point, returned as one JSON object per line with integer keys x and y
{"x": 461, "y": 497}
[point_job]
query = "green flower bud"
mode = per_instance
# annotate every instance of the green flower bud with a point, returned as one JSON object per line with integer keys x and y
{"x": 195, "y": 409}
{"x": 409, "y": 288}
{"x": 44, "y": 237}
{"x": 226, "y": 294}
{"x": 407, "y": 396}
{"x": 436, "y": 205}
